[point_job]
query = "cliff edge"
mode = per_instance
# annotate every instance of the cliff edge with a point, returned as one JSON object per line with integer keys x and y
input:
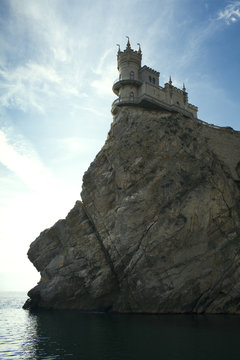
{"x": 158, "y": 228}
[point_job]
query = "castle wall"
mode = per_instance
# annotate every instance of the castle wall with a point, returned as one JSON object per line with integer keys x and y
{"x": 151, "y": 90}
{"x": 148, "y": 75}
{"x": 192, "y": 109}
{"x": 174, "y": 95}
{"x": 177, "y": 97}
{"x": 167, "y": 92}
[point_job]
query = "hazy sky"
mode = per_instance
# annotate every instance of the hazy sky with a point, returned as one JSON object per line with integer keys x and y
{"x": 57, "y": 66}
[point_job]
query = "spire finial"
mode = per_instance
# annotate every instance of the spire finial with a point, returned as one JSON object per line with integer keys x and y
{"x": 139, "y": 49}
{"x": 128, "y": 43}
{"x": 183, "y": 88}
{"x": 118, "y": 47}
{"x": 170, "y": 80}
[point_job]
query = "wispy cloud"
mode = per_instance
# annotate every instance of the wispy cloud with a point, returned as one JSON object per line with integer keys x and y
{"x": 203, "y": 31}
{"x": 231, "y": 13}
{"x": 19, "y": 157}
{"x": 24, "y": 86}
{"x": 46, "y": 64}
{"x": 103, "y": 83}
{"x": 195, "y": 40}
{"x": 31, "y": 204}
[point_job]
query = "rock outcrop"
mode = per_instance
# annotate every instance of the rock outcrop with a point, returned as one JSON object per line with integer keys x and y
{"x": 158, "y": 228}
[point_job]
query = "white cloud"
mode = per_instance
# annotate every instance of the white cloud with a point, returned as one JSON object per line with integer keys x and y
{"x": 196, "y": 39}
{"x": 89, "y": 107}
{"x": 103, "y": 85}
{"x": 30, "y": 87}
{"x": 24, "y": 86}
{"x": 21, "y": 159}
{"x": 45, "y": 64}
{"x": 27, "y": 206}
{"x": 102, "y": 62}
{"x": 231, "y": 13}
{"x": 46, "y": 26}
{"x": 25, "y": 215}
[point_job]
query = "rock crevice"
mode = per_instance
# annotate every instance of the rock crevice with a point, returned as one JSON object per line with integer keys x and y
{"x": 104, "y": 250}
{"x": 158, "y": 228}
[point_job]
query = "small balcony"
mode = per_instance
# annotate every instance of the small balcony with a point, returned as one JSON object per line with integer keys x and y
{"x": 126, "y": 100}
{"x": 118, "y": 83}
{"x": 149, "y": 102}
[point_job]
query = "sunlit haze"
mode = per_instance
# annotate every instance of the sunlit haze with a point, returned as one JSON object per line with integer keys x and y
{"x": 57, "y": 66}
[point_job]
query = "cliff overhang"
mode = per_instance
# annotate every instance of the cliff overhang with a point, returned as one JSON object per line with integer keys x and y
{"x": 158, "y": 227}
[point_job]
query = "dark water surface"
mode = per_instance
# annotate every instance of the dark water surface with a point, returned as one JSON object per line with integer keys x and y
{"x": 74, "y": 335}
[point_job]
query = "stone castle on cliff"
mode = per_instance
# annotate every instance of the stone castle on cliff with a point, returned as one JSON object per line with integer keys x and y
{"x": 139, "y": 86}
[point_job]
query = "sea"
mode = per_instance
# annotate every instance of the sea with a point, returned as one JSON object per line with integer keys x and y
{"x": 75, "y": 335}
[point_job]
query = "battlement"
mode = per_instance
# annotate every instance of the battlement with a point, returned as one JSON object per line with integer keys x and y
{"x": 126, "y": 56}
{"x": 145, "y": 67}
{"x": 129, "y": 58}
{"x": 173, "y": 88}
{"x": 140, "y": 86}
{"x": 129, "y": 51}
{"x": 193, "y": 107}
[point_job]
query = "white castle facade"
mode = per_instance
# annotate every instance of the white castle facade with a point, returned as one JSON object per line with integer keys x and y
{"x": 139, "y": 86}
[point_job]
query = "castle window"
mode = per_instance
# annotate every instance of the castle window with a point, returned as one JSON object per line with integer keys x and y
{"x": 131, "y": 75}
{"x": 152, "y": 79}
{"x": 132, "y": 96}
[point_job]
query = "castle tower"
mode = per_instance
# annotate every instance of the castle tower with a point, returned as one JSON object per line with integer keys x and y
{"x": 139, "y": 85}
{"x": 129, "y": 64}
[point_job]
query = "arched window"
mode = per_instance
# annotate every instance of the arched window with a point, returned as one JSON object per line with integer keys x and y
{"x": 131, "y": 75}
{"x": 132, "y": 96}
{"x": 153, "y": 80}
{"x": 150, "y": 78}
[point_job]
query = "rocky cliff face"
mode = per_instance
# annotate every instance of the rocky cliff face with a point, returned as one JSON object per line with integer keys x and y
{"x": 158, "y": 228}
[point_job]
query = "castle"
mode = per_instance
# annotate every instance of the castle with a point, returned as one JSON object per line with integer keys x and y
{"x": 139, "y": 86}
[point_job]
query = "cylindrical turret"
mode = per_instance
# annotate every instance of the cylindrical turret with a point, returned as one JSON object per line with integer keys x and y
{"x": 129, "y": 63}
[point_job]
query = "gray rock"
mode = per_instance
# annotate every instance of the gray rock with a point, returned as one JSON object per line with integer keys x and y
{"x": 158, "y": 228}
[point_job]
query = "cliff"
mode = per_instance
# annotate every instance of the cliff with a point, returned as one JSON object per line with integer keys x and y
{"x": 158, "y": 228}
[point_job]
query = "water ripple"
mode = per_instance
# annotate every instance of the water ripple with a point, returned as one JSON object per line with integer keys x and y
{"x": 60, "y": 335}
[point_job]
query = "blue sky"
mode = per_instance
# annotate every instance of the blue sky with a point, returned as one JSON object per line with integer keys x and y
{"x": 57, "y": 66}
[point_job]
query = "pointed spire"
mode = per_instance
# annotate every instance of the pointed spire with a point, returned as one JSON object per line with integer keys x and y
{"x": 118, "y": 47}
{"x": 139, "y": 49}
{"x": 170, "y": 80}
{"x": 183, "y": 88}
{"x": 128, "y": 43}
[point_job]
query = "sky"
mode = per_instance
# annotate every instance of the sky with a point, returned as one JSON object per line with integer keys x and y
{"x": 57, "y": 67}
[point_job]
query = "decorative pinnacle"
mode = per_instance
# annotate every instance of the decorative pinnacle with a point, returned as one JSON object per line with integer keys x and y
{"x": 128, "y": 43}
{"x": 139, "y": 49}
{"x": 118, "y": 47}
{"x": 170, "y": 80}
{"x": 183, "y": 88}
